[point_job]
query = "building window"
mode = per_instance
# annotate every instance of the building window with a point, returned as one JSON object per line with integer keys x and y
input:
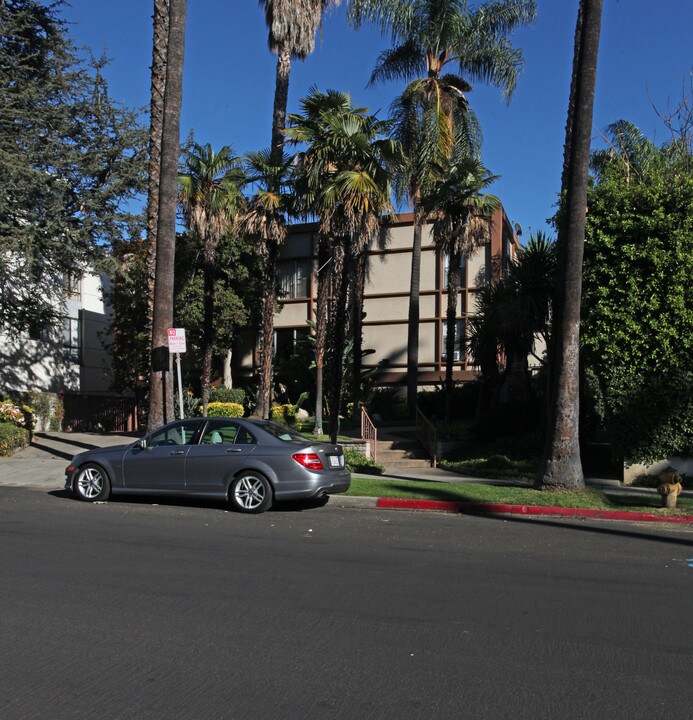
{"x": 463, "y": 274}
{"x": 39, "y": 329}
{"x": 72, "y": 286}
{"x": 287, "y": 342}
{"x": 293, "y": 278}
{"x": 459, "y": 342}
{"x": 71, "y": 337}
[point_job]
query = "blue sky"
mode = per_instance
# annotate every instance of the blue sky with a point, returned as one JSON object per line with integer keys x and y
{"x": 646, "y": 55}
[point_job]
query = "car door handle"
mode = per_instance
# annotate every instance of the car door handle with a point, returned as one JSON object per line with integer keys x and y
{"x": 230, "y": 450}
{"x": 177, "y": 452}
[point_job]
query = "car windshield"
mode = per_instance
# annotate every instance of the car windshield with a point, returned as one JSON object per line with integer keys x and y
{"x": 281, "y": 431}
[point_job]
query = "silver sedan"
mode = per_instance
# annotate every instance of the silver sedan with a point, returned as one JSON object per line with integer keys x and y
{"x": 250, "y": 462}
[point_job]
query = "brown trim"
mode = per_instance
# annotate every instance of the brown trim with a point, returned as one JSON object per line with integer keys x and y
{"x": 399, "y": 251}
{"x": 502, "y": 242}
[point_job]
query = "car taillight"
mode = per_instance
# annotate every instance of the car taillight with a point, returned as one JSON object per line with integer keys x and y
{"x": 309, "y": 460}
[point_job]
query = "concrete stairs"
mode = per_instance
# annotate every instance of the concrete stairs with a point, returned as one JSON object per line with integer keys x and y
{"x": 401, "y": 452}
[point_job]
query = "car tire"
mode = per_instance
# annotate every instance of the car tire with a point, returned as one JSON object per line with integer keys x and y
{"x": 251, "y": 492}
{"x": 91, "y": 483}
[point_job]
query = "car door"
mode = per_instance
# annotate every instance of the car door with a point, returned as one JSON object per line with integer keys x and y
{"x": 222, "y": 451}
{"x": 160, "y": 465}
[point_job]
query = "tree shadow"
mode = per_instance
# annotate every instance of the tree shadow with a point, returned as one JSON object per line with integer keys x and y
{"x": 567, "y": 523}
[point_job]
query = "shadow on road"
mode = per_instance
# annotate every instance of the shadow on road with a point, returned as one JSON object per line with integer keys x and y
{"x": 173, "y": 501}
{"x": 607, "y": 528}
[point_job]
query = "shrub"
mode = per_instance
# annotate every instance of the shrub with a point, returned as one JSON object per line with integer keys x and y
{"x": 356, "y": 462}
{"x": 11, "y": 413}
{"x": 225, "y": 409}
{"x": 285, "y": 415}
{"x": 464, "y": 401}
{"x": 191, "y": 404}
{"x": 12, "y": 438}
{"x": 655, "y": 418}
{"x": 388, "y": 402}
{"x": 227, "y": 395}
{"x": 47, "y": 408}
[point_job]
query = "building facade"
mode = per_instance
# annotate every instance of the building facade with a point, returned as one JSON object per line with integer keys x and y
{"x": 68, "y": 355}
{"x": 386, "y": 303}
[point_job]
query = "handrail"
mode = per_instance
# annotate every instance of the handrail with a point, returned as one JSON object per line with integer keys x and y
{"x": 369, "y": 432}
{"x": 428, "y": 436}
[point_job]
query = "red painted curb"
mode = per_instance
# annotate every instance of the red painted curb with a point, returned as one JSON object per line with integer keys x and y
{"x": 529, "y": 510}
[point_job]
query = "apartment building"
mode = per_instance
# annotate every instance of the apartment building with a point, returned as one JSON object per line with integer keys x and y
{"x": 386, "y": 303}
{"x": 68, "y": 355}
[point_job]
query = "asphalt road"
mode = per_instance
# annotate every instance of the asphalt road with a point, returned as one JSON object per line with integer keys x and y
{"x": 135, "y": 610}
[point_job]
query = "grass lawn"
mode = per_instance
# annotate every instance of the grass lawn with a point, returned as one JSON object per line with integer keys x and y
{"x": 481, "y": 493}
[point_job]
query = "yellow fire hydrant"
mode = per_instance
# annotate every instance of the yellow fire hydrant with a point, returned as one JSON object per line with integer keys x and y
{"x": 669, "y": 487}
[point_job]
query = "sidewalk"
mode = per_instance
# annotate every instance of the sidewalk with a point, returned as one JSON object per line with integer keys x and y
{"x": 43, "y": 464}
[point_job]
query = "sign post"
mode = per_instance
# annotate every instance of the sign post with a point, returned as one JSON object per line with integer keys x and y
{"x": 176, "y": 344}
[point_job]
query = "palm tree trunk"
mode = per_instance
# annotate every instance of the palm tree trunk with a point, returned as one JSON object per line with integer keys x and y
{"x": 338, "y": 318}
{"x": 264, "y": 401}
{"x": 281, "y": 94}
{"x": 208, "y": 324}
{"x": 281, "y": 98}
{"x": 451, "y": 322}
{"x": 321, "y": 316}
{"x": 156, "y": 118}
{"x": 359, "y": 290}
{"x": 161, "y": 385}
{"x": 561, "y": 466}
{"x": 414, "y": 311}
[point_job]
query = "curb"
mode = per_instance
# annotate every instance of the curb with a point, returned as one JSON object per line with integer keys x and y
{"x": 385, "y": 503}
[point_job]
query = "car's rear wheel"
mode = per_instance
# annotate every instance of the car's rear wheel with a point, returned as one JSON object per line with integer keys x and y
{"x": 92, "y": 483}
{"x": 251, "y": 492}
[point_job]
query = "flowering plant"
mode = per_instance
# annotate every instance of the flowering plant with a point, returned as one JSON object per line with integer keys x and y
{"x": 9, "y": 412}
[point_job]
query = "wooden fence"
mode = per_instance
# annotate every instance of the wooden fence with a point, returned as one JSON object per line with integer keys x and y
{"x": 99, "y": 412}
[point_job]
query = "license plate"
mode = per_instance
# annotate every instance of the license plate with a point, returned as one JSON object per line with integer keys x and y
{"x": 334, "y": 461}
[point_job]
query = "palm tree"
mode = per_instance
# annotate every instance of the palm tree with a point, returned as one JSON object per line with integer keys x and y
{"x": 630, "y": 151}
{"x": 161, "y": 386}
{"x": 561, "y": 465}
{"x": 264, "y": 222}
{"x": 512, "y": 312}
{"x": 432, "y": 113}
{"x": 292, "y": 26}
{"x": 210, "y": 196}
{"x": 344, "y": 181}
{"x": 459, "y": 215}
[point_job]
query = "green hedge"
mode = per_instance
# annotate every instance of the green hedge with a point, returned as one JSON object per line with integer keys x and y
{"x": 358, "y": 463}
{"x": 12, "y": 438}
{"x": 225, "y": 409}
{"x": 227, "y": 395}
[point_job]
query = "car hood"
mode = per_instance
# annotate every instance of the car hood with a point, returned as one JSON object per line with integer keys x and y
{"x": 117, "y": 449}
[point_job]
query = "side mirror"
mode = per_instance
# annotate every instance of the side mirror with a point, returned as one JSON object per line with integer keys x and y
{"x": 142, "y": 442}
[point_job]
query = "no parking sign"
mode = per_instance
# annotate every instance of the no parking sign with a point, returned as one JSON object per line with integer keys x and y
{"x": 176, "y": 345}
{"x": 176, "y": 340}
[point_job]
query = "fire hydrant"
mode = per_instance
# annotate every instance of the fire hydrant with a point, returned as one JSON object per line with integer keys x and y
{"x": 669, "y": 487}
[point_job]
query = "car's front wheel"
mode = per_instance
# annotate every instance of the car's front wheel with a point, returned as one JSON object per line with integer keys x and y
{"x": 92, "y": 483}
{"x": 251, "y": 492}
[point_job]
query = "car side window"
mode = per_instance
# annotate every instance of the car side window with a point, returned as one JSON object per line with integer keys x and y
{"x": 179, "y": 434}
{"x": 244, "y": 437}
{"x": 220, "y": 434}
